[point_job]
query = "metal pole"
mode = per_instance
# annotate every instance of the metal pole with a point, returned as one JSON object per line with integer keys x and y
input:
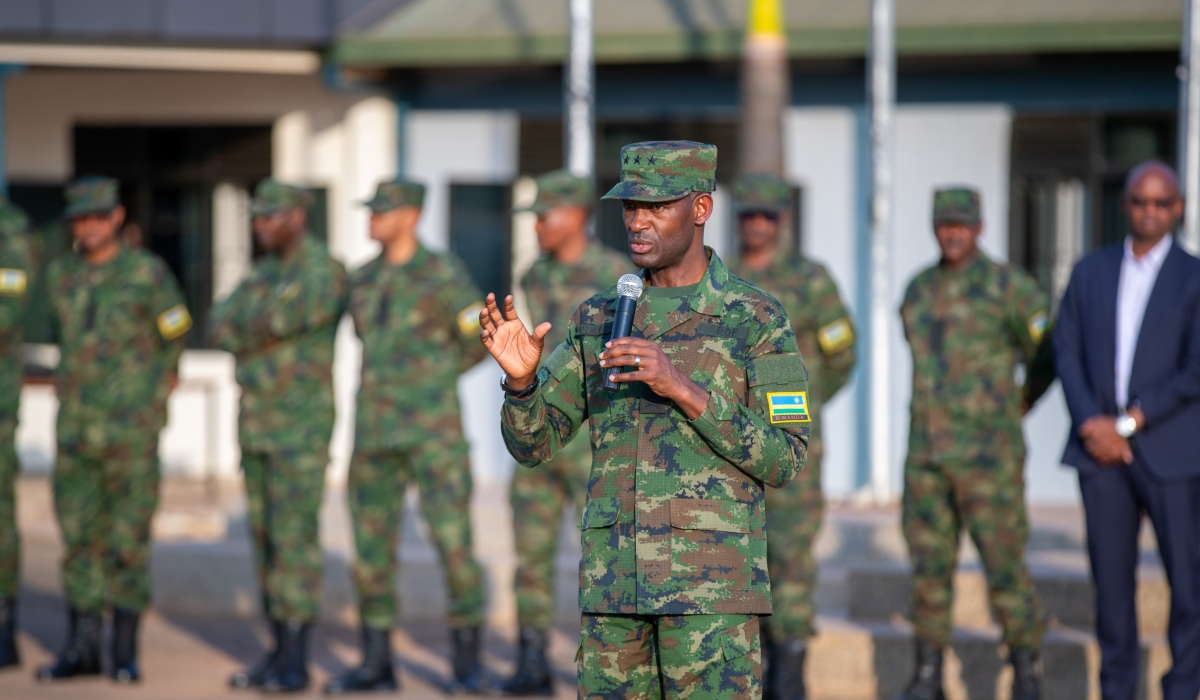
{"x": 1189, "y": 124}
{"x": 579, "y": 96}
{"x": 881, "y": 81}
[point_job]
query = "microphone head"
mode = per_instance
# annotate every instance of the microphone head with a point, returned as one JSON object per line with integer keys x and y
{"x": 630, "y": 286}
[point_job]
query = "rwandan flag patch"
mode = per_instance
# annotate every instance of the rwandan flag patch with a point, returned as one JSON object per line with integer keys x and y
{"x": 788, "y": 407}
{"x": 468, "y": 319}
{"x": 12, "y": 282}
{"x": 836, "y": 336}
{"x": 1037, "y": 326}
{"x": 174, "y": 322}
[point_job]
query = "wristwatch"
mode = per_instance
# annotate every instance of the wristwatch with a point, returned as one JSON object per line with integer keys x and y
{"x": 518, "y": 393}
{"x": 1126, "y": 425}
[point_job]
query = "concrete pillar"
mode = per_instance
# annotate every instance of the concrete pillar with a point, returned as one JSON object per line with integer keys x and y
{"x": 231, "y": 237}
{"x": 290, "y": 147}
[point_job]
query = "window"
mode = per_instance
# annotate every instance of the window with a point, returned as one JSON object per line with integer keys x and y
{"x": 480, "y": 234}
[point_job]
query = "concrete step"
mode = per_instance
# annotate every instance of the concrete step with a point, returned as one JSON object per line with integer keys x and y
{"x": 884, "y": 592}
{"x": 854, "y": 660}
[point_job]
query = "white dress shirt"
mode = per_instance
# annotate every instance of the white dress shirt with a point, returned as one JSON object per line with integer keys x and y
{"x": 1133, "y": 293}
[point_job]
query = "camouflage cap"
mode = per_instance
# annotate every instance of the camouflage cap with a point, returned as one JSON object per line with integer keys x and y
{"x": 272, "y": 196}
{"x": 394, "y": 194}
{"x": 761, "y": 192}
{"x": 560, "y": 188}
{"x": 956, "y": 205}
{"x": 91, "y": 195}
{"x": 660, "y": 171}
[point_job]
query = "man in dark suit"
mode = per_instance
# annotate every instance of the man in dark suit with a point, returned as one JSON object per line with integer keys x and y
{"x": 1127, "y": 345}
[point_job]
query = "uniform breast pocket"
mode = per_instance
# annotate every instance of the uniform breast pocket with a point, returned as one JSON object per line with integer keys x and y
{"x": 710, "y": 538}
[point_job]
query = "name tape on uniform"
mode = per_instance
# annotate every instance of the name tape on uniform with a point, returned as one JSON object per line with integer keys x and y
{"x": 12, "y": 282}
{"x": 1037, "y": 326}
{"x": 174, "y": 322}
{"x": 788, "y": 407}
{"x": 468, "y": 319}
{"x": 836, "y": 336}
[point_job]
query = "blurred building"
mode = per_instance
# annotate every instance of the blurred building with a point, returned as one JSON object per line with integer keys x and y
{"x": 1042, "y": 105}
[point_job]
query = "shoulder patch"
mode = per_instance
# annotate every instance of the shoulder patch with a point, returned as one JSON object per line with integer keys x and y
{"x": 836, "y": 336}
{"x": 174, "y": 322}
{"x": 777, "y": 369}
{"x": 787, "y": 407}
{"x": 468, "y": 319}
{"x": 1037, "y": 326}
{"x": 12, "y": 282}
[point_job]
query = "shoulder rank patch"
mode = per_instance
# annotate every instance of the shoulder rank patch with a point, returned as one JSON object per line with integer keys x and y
{"x": 468, "y": 319}
{"x": 12, "y": 281}
{"x": 174, "y": 322}
{"x": 836, "y": 336}
{"x": 1037, "y": 326}
{"x": 788, "y": 407}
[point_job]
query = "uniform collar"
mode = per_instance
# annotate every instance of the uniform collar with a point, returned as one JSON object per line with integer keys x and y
{"x": 708, "y": 299}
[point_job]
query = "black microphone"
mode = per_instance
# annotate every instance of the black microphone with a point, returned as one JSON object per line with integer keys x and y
{"x": 629, "y": 288}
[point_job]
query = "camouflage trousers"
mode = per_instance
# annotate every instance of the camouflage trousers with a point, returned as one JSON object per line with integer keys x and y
{"x": 659, "y": 657}
{"x": 10, "y": 539}
{"x": 538, "y": 498}
{"x": 441, "y": 471}
{"x": 987, "y": 497}
{"x": 794, "y": 515}
{"x": 105, "y": 498}
{"x": 283, "y": 500}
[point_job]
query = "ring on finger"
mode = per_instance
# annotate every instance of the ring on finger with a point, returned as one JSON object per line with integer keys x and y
{"x": 637, "y": 360}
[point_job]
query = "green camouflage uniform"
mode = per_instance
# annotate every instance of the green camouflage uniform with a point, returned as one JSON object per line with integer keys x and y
{"x": 552, "y": 291}
{"x": 16, "y": 283}
{"x": 280, "y": 324}
{"x": 674, "y": 569}
{"x": 419, "y": 325}
{"x": 825, "y": 336}
{"x": 965, "y": 468}
{"x": 120, "y": 328}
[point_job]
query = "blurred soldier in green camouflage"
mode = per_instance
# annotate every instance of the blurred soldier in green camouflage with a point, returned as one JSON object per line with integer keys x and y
{"x": 825, "y": 335}
{"x": 712, "y": 407}
{"x": 417, "y": 314}
{"x": 572, "y": 268}
{"x": 120, "y": 323}
{"x": 16, "y": 283}
{"x": 280, "y": 323}
{"x": 970, "y": 321}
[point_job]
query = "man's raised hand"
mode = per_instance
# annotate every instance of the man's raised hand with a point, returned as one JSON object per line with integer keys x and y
{"x": 515, "y": 349}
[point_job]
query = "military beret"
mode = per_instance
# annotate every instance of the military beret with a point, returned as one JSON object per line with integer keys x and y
{"x": 272, "y": 196}
{"x": 560, "y": 188}
{"x": 956, "y": 205}
{"x": 661, "y": 171}
{"x": 395, "y": 194}
{"x": 761, "y": 192}
{"x": 91, "y": 195}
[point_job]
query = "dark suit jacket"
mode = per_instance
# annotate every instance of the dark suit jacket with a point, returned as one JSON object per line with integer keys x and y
{"x": 1166, "y": 365}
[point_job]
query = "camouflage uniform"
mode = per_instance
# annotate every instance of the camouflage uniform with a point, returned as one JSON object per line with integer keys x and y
{"x": 16, "y": 282}
{"x": 968, "y": 329}
{"x": 674, "y": 570}
{"x": 552, "y": 291}
{"x": 419, "y": 325}
{"x": 120, "y": 328}
{"x": 280, "y": 324}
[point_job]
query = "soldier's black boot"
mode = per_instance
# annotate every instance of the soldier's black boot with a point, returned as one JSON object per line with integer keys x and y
{"x": 927, "y": 679}
{"x": 784, "y": 677}
{"x": 468, "y": 672}
{"x": 124, "y": 646}
{"x": 253, "y": 676}
{"x": 1027, "y": 674}
{"x": 81, "y": 655}
{"x": 8, "y": 633}
{"x": 290, "y": 673}
{"x": 375, "y": 674}
{"x": 533, "y": 676}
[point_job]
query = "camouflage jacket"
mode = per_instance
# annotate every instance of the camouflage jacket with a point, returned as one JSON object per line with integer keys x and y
{"x": 120, "y": 327}
{"x": 419, "y": 325}
{"x": 280, "y": 323}
{"x": 968, "y": 331}
{"x": 16, "y": 284}
{"x": 554, "y": 290}
{"x": 824, "y": 330}
{"x": 674, "y": 519}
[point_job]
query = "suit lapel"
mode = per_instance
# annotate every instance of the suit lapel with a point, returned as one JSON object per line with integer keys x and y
{"x": 1160, "y": 296}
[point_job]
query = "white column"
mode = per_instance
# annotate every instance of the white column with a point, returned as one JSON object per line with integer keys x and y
{"x": 1189, "y": 124}
{"x": 578, "y": 92}
{"x": 291, "y": 140}
{"x": 231, "y": 237}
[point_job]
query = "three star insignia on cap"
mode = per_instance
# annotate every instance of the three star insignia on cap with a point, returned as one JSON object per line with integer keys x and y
{"x": 174, "y": 322}
{"x": 787, "y": 407}
{"x": 12, "y": 282}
